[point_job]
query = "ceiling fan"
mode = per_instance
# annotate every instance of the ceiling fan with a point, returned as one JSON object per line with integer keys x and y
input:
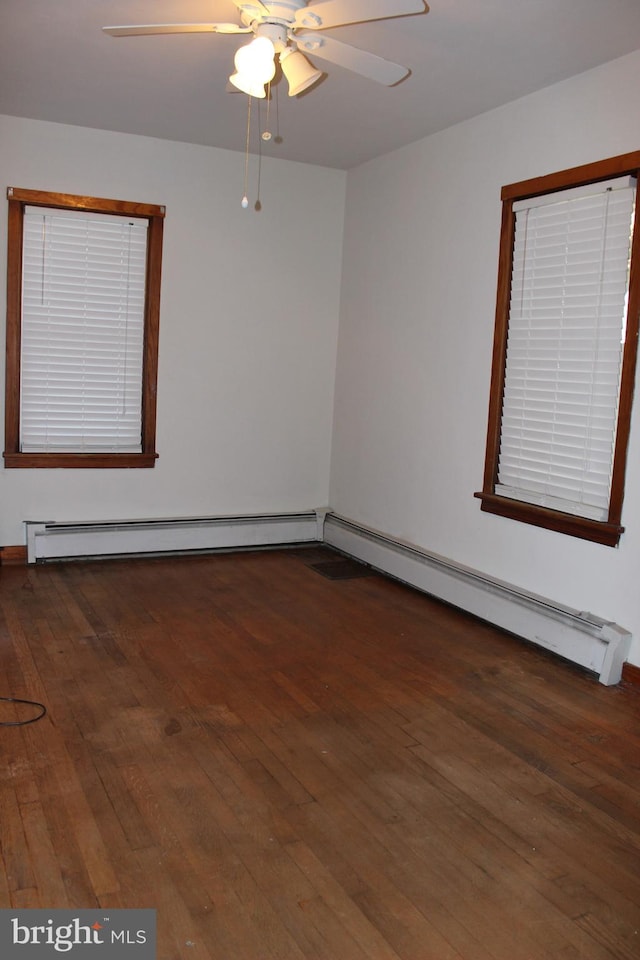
{"x": 288, "y": 30}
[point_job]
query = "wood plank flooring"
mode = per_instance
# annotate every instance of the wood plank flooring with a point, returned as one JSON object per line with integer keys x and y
{"x": 289, "y": 767}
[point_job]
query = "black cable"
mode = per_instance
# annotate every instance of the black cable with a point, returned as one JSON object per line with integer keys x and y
{"x": 21, "y": 723}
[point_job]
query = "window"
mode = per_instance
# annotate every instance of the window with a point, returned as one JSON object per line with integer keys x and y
{"x": 83, "y": 297}
{"x": 565, "y": 350}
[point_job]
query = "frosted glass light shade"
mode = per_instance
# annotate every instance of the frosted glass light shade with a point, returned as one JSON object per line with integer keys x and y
{"x": 299, "y": 72}
{"x": 246, "y": 85}
{"x": 255, "y": 60}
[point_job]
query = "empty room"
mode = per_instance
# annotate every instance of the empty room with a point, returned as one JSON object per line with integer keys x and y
{"x": 320, "y": 489}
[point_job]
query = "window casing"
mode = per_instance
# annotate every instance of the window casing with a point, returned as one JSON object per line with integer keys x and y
{"x": 565, "y": 349}
{"x": 83, "y": 296}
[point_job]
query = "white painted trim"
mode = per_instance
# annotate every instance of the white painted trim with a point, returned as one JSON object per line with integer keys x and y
{"x": 596, "y": 644}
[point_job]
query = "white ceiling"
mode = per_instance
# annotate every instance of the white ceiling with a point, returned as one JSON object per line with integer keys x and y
{"x": 466, "y": 57}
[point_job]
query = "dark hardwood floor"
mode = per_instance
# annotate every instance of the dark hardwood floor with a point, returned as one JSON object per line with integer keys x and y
{"x": 292, "y": 767}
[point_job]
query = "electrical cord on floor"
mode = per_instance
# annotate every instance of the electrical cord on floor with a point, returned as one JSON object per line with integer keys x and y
{"x": 21, "y": 723}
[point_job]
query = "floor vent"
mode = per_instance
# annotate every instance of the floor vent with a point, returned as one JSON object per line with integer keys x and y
{"x": 345, "y": 569}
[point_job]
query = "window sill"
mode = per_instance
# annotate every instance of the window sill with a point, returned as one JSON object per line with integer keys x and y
{"x": 98, "y": 461}
{"x": 607, "y": 534}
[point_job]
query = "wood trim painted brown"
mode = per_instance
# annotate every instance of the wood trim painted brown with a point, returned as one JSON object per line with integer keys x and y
{"x": 596, "y": 531}
{"x": 631, "y": 673}
{"x": 71, "y": 201}
{"x": 151, "y": 322}
{"x": 501, "y": 330}
{"x": 13, "y": 327}
{"x": 627, "y": 381}
{"x": 29, "y": 461}
{"x": 608, "y": 532}
{"x": 13, "y": 555}
{"x": 13, "y": 458}
{"x": 625, "y": 163}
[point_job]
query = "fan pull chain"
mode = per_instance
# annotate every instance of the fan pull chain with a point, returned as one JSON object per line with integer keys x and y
{"x": 258, "y": 204}
{"x": 245, "y": 198}
{"x": 266, "y": 133}
{"x": 277, "y": 138}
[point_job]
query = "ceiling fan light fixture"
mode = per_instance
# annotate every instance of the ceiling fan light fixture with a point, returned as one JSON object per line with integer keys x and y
{"x": 300, "y": 74}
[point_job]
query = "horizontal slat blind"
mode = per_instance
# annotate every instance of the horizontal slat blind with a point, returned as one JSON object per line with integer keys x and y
{"x": 567, "y": 319}
{"x": 83, "y": 299}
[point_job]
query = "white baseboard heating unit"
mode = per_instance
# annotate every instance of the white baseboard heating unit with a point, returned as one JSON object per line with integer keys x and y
{"x": 60, "y": 541}
{"x": 583, "y": 638}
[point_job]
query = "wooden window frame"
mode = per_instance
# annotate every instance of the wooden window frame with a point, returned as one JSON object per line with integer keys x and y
{"x": 18, "y": 200}
{"x": 605, "y": 532}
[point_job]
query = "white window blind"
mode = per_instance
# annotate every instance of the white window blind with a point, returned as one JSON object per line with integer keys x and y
{"x": 569, "y": 289}
{"x": 83, "y": 298}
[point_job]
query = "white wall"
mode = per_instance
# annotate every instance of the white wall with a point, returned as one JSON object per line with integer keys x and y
{"x": 414, "y": 356}
{"x": 248, "y": 328}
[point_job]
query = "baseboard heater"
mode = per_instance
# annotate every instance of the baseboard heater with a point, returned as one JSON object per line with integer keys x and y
{"x": 65, "y": 541}
{"x": 597, "y": 645}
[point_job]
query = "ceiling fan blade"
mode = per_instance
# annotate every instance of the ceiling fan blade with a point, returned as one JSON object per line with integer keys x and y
{"x": 337, "y": 13}
{"x": 344, "y": 55}
{"x": 149, "y": 29}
